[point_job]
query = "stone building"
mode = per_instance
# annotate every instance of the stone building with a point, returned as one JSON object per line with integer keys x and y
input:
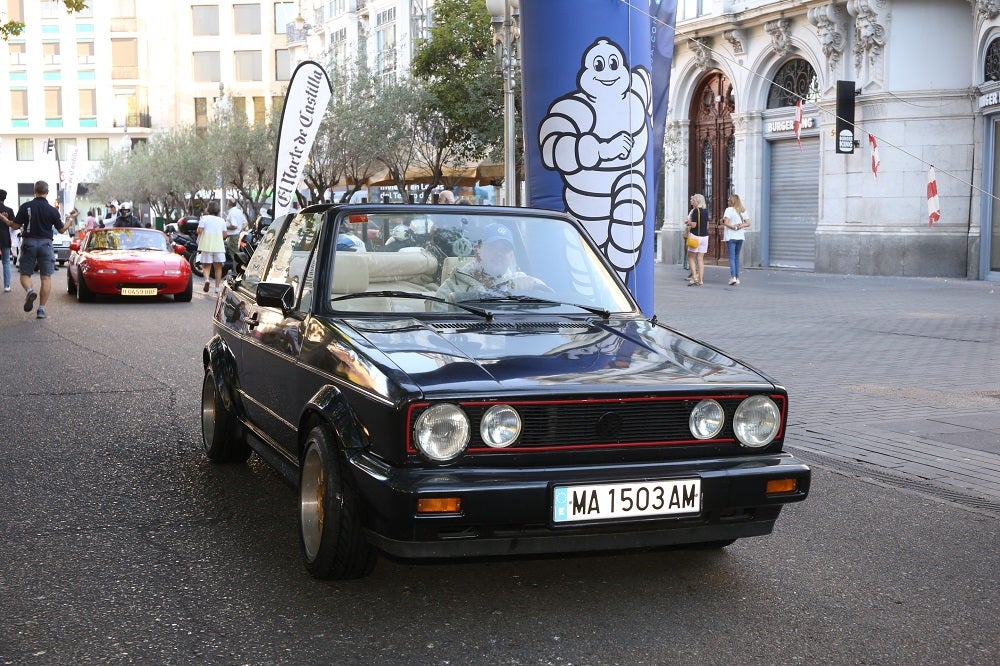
{"x": 927, "y": 76}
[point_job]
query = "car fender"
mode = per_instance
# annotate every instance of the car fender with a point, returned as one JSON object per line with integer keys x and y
{"x": 218, "y": 356}
{"x": 330, "y": 406}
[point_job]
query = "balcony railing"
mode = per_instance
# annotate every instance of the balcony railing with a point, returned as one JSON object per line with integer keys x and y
{"x": 134, "y": 120}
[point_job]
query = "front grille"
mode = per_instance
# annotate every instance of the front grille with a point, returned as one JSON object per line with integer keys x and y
{"x": 593, "y": 424}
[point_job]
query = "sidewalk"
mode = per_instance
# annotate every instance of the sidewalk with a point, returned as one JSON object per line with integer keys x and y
{"x": 896, "y": 379}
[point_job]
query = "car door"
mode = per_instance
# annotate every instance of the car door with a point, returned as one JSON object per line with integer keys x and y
{"x": 274, "y": 386}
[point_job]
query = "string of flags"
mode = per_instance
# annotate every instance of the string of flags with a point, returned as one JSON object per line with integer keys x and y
{"x": 798, "y": 122}
{"x": 933, "y": 204}
{"x": 876, "y": 161}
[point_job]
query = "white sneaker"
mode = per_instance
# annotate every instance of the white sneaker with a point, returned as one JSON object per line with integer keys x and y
{"x": 733, "y": 281}
{"x": 6, "y": 289}
{"x": 737, "y": 280}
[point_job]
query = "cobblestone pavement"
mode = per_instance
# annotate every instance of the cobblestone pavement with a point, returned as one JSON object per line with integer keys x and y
{"x": 893, "y": 379}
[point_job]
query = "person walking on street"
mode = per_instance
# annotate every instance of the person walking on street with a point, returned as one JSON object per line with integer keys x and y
{"x": 236, "y": 222}
{"x": 111, "y": 215}
{"x": 735, "y": 220}
{"x": 5, "y": 241}
{"x": 37, "y": 219}
{"x": 697, "y": 223}
{"x": 212, "y": 244}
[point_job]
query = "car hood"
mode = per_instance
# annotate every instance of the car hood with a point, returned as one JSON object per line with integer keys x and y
{"x": 521, "y": 356}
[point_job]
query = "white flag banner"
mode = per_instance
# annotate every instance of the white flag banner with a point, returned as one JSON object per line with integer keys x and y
{"x": 309, "y": 93}
{"x": 69, "y": 185}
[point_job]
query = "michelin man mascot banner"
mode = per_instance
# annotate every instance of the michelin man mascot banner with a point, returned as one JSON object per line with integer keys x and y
{"x": 595, "y": 75}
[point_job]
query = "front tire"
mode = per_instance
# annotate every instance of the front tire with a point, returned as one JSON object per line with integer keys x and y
{"x": 70, "y": 285}
{"x": 196, "y": 268}
{"x": 219, "y": 431}
{"x": 83, "y": 293}
{"x": 332, "y": 539}
{"x": 185, "y": 296}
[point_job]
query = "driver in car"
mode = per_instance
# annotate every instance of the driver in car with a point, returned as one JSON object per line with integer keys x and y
{"x": 492, "y": 273}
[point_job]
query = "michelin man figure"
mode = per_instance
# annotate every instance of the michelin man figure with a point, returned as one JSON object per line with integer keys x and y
{"x": 596, "y": 138}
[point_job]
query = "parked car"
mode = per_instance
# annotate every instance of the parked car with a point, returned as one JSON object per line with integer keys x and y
{"x": 494, "y": 392}
{"x": 61, "y": 247}
{"x": 127, "y": 261}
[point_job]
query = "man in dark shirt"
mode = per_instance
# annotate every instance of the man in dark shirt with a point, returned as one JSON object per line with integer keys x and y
{"x": 36, "y": 219}
{"x": 5, "y": 241}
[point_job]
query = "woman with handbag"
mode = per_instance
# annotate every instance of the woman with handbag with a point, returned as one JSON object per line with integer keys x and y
{"x": 697, "y": 240}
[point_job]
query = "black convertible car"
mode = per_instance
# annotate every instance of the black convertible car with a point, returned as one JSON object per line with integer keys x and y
{"x": 492, "y": 390}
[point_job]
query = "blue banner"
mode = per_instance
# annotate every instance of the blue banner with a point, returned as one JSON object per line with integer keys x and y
{"x": 588, "y": 102}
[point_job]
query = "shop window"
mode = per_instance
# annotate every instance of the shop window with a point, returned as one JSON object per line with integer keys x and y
{"x": 795, "y": 80}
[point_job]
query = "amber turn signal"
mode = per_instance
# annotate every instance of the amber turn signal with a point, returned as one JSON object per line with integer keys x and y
{"x": 439, "y": 505}
{"x": 781, "y": 486}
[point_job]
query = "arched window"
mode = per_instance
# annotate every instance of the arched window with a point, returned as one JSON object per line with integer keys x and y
{"x": 795, "y": 79}
{"x": 991, "y": 68}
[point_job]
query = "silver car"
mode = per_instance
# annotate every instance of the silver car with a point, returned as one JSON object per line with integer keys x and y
{"x": 60, "y": 247}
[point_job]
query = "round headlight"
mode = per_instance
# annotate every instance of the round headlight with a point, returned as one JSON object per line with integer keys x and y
{"x": 442, "y": 432}
{"x": 706, "y": 419}
{"x": 500, "y": 426}
{"x": 757, "y": 421}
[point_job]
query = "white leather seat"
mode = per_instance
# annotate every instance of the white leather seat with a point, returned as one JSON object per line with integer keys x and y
{"x": 350, "y": 273}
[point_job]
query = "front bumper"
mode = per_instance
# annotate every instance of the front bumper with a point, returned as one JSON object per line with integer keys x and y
{"x": 509, "y": 511}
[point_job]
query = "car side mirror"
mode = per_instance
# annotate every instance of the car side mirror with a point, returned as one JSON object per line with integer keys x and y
{"x": 275, "y": 295}
{"x": 179, "y": 249}
{"x": 74, "y": 246}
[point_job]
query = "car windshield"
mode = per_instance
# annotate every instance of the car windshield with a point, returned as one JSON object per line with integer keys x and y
{"x": 492, "y": 261}
{"x": 127, "y": 239}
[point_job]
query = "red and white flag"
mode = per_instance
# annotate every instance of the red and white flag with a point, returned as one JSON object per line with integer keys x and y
{"x": 933, "y": 204}
{"x": 875, "y": 158}
{"x": 798, "y": 122}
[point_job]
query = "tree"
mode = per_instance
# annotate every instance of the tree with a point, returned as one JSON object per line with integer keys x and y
{"x": 399, "y": 104}
{"x": 457, "y": 64}
{"x": 14, "y": 28}
{"x": 356, "y": 136}
{"x": 243, "y": 156}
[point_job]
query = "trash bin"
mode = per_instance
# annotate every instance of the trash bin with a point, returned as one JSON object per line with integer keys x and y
{"x": 159, "y": 223}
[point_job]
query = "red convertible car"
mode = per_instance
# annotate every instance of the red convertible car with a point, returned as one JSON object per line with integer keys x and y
{"x": 127, "y": 262}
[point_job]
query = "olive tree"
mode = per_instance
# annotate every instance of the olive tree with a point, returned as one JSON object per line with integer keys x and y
{"x": 242, "y": 153}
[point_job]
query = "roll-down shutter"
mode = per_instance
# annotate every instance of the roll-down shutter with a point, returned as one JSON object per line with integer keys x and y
{"x": 794, "y": 205}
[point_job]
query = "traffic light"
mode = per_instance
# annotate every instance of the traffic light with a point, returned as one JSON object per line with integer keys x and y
{"x": 845, "y": 116}
{"x": 50, "y": 145}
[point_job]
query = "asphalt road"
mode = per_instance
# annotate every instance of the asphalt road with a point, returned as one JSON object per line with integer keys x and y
{"x": 120, "y": 543}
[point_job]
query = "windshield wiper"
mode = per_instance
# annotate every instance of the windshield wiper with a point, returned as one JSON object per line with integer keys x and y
{"x": 601, "y": 312}
{"x": 485, "y": 314}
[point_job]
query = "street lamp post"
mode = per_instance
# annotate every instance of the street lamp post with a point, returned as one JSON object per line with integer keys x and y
{"x": 505, "y": 36}
{"x": 224, "y": 110}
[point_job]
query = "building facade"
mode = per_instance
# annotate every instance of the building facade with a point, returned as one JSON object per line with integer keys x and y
{"x": 341, "y": 34}
{"x": 104, "y": 78}
{"x": 926, "y": 76}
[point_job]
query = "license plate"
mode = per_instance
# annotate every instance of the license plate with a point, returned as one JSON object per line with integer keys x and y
{"x": 138, "y": 291}
{"x": 616, "y": 501}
